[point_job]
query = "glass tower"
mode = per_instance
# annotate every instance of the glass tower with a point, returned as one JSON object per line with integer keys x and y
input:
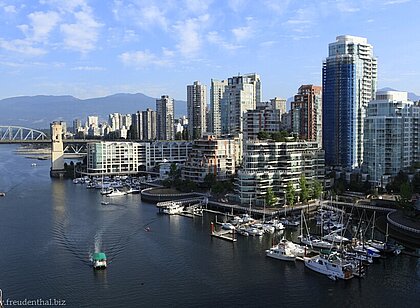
{"x": 349, "y": 83}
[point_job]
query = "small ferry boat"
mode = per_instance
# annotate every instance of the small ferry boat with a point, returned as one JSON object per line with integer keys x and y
{"x": 99, "y": 260}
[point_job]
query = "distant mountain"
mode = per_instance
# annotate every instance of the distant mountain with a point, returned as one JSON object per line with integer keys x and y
{"x": 411, "y": 96}
{"x": 39, "y": 111}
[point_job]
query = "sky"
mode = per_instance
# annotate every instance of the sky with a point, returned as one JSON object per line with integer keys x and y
{"x": 93, "y": 48}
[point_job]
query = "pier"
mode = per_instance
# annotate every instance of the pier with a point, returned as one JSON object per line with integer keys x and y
{"x": 228, "y": 235}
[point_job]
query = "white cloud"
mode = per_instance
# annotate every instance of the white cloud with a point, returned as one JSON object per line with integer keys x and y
{"x": 141, "y": 59}
{"x": 197, "y": 6}
{"x": 242, "y": 33}
{"x": 392, "y": 2}
{"x": 346, "y": 7}
{"x": 302, "y": 20}
{"x": 83, "y": 34}
{"x": 145, "y": 15}
{"x": 42, "y": 23}
{"x": 214, "y": 38}
{"x": 88, "y": 68}
{"x": 10, "y": 9}
{"x": 22, "y": 46}
{"x": 277, "y": 6}
{"x": 188, "y": 33}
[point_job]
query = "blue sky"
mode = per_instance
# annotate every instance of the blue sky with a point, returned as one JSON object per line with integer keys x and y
{"x": 96, "y": 48}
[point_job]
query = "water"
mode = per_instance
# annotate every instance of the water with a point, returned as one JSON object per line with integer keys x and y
{"x": 49, "y": 228}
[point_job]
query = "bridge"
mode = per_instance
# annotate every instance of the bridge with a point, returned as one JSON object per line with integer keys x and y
{"x": 17, "y": 134}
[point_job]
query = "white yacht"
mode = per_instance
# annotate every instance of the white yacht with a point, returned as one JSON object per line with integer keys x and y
{"x": 173, "y": 208}
{"x": 332, "y": 266}
{"x": 285, "y": 250}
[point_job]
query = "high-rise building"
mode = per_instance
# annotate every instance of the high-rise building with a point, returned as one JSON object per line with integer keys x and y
{"x": 264, "y": 118}
{"x": 77, "y": 124}
{"x": 92, "y": 121}
{"x": 279, "y": 104}
{"x": 114, "y": 121}
{"x": 348, "y": 84}
{"x": 149, "y": 124}
{"x": 165, "y": 118}
{"x": 307, "y": 113}
{"x": 136, "y": 129}
{"x": 242, "y": 93}
{"x": 217, "y": 91}
{"x": 391, "y": 138}
{"x": 196, "y": 108}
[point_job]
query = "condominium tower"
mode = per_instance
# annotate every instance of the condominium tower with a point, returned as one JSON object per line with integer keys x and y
{"x": 348, "y": 84}
{"x": 392, "y": 136}
{"x": 307, "y": 113}
{"x": 196, "y": 108}
{"x": 241, "y": 94}
{"x": 217, "y": 90}
{"x": 165, "y": 118}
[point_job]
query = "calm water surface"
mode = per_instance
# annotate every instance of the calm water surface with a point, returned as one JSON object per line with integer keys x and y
{"x": 49, "y": 227}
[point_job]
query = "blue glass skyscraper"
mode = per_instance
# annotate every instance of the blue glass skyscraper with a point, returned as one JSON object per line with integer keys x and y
{"x": 348, "y": 83}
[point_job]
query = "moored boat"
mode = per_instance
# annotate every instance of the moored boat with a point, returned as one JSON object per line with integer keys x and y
{"x": 331, "y": 266}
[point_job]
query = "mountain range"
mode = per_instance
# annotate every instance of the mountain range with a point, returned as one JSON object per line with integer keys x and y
{"x": 39, "y": 111}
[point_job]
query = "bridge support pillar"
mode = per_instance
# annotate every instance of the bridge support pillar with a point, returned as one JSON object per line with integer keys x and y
{"x": 57, "y": 151}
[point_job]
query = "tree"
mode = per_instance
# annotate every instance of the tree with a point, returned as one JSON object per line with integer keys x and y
{"x": 304, "y": 190}
{"x": 178, "y": 136}
{"x": 270, "y": 197}
{"x": 396, "y": 183}
{"x": 263, "y": 135}
{"x": 404, "y": 200}
{"x": 174, "y": 173}
{"x": 290, "y": 194}
{"x": 209, "y": 180}
{"x": 316, "y": 189}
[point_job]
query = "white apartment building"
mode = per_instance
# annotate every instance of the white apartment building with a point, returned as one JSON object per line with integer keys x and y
{"x": 112, "y": 158}
{"x": 391, "y": 136}
{"x": 241, "y": 94}
{"x": 274, "y": 164}
{"x": 212, "y": 156}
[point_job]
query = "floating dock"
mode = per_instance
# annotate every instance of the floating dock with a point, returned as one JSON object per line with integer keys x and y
{"x": 228, "y": 235}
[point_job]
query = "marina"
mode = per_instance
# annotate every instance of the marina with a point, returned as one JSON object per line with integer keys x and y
{"x": 67, "y": 223}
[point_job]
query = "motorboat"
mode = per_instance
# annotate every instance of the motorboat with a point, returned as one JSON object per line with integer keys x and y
{"x": 285, "y": 250}
{"x": 133, "y": 191}
{"x": 331, "y": 266}
{"x": 2, "y": 194}
{"x": 116, "y": 193}
{"x": 99, "y": 260}
{"x": 104, "y": 202}
{"x": 173, "y": 208}
{"x": 106, "y": 191}
{"x": 228, "y": 226}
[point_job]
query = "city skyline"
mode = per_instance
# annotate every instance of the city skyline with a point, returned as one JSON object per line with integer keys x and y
{"x": 87, "y": 49}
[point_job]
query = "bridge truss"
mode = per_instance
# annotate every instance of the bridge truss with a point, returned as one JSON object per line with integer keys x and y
{"x": 16, "y": 133}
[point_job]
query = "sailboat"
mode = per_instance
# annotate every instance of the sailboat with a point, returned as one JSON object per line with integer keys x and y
{"x": 311, "y": 240}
